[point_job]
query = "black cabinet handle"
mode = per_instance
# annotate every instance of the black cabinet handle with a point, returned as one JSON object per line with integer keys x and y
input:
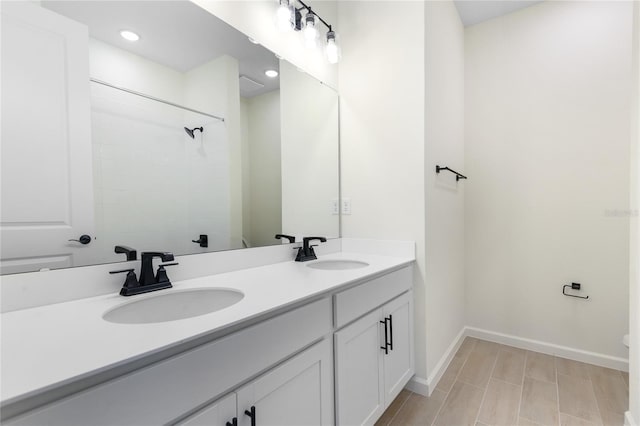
{"x": 390, "y": 332}
{"x": 252, "y": 415}
{"x": 233, "y": 422}
{"x": 84, "y": 239}
{"x": 386, "y": 337}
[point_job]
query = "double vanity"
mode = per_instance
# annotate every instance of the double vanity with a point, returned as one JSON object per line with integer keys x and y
{"x": 328, "y": 341}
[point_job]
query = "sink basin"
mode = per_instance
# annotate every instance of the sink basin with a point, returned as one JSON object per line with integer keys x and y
{"x": 337, "y": 265}
{"x": 173, "y": 306}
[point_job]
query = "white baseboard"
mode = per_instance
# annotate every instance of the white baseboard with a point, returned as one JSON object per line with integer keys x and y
{"x": 441, "y": 366}
{"x": 426, "y": 386}
{"x": 550, "y": 348}
{"x": 418, "y": 385}
{"x": 628, "y": 419}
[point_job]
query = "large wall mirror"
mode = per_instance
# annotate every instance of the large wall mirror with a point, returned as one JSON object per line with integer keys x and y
{"x": 155, "y": 144}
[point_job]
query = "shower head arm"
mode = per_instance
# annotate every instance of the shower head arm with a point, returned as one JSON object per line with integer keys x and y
{"x": 191, "y": 132}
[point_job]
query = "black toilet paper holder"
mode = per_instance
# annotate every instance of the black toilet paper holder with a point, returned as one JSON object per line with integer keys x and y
{"x": 573, "y": 286}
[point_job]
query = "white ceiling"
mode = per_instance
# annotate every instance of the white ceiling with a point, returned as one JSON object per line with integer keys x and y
{"x": 474, "y": 11}
{"x": 182, "y": 36}
{"x": 177, "y": 34}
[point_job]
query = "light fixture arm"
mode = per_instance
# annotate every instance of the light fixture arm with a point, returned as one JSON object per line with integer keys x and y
{"x": 308, "y": 8}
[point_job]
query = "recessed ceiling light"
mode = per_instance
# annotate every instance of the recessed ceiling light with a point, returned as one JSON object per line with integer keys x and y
{"x": 252, "y": 40}
{"x": 129, "y": 35}
{"x": 271, "y": 73}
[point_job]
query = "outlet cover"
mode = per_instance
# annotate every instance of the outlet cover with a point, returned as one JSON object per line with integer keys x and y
{"x": 335, "y": 206}
{"x": 346, "y": 206}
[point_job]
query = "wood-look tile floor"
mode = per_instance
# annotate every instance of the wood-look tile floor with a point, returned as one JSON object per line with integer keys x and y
{"x": 489, "y": 384}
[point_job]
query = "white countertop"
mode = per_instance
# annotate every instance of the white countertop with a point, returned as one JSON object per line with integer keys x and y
{"x": 52, "y": 345}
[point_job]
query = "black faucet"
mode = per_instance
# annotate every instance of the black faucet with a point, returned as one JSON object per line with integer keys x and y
{"x": 148, "y": 281}
{"x": 306, "y": 252}
{"x": 131, "y": 253}
{"x": 291, "y": 238}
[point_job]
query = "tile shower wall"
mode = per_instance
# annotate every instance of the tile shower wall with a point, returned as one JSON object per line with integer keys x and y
{"x": 155, "y": 187}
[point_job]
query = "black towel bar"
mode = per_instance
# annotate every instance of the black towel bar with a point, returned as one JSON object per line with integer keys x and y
{"x": 458, "y": 175}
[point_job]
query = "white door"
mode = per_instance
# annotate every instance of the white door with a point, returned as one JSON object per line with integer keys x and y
{"x": 219, "y": 413}
{"x": 398, "y": 363}
{"x": 296, "y": 393}
{"x": 359, "y": 374}
{"x": 47, "y": 182}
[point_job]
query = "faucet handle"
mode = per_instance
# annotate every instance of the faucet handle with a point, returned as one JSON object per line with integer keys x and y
{"x": 130, "y": 281}
{"x": 161, "y": 274}
{"x": 121, "y": 271}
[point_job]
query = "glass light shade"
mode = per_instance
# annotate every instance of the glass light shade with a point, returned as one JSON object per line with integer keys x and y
{"x": 332, "y": 51}
{"x": 310, "y": 31}
{"x": 283, "y": 16}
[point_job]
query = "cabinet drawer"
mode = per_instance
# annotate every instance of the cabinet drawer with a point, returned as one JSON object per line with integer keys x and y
{"x": 357, "y": 301}
{"x": 163, "y": 391}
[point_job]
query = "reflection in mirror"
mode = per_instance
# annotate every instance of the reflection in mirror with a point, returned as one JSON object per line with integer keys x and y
{"x": 176, "y": 142}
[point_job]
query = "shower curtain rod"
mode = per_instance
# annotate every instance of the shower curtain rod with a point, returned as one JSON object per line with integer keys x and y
{"x": 133, "y": 92}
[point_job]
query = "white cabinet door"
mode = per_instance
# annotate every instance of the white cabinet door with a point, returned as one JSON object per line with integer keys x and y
{"x": 296, "y": 393}
{"x": 359, "y": 374}
{"x": 46, "y": 172}
{"x": 398, "y": 363}
{"x": 219, "y": 413}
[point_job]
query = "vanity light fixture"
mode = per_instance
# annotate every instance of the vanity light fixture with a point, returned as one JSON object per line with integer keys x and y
{"x": 271, "y": 73}
{"x": 129, "y": 35}
{"x": 288, "y": 16}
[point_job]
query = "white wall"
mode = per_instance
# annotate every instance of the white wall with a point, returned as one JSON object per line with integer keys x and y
{"x": 309, "y": 149}
{"x": 547, "y": 98}
{"x": 634, "y": 296}
{"x": 244, "y": 149}
{"x": 381, "y": 83}
{"x": 264, "y": 183}
{"x": 125, "y": 69}
{"x": 444, "y": 197}
{"x": 255, "y": 18}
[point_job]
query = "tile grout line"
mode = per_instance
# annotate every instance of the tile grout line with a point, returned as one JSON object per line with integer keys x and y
{"x": 555, "y": 371}
{"x": 454, "y": 382}
{"x": 593, "y": 392}
{"x": 600, "y": 411}
{"x": 581, "y": 419}
{"x": 486, "y": 387}
{"x": 399, "y": 409}
{"x": 524, "y": 367}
